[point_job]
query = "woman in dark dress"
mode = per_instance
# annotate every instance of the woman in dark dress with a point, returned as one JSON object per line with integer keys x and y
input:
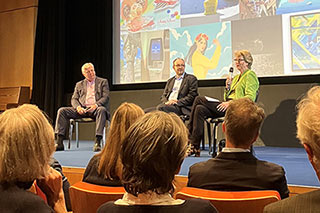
{"x": 105, "y": 167}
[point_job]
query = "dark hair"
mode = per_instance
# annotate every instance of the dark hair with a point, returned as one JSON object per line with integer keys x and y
{"x": 152, "y": 152}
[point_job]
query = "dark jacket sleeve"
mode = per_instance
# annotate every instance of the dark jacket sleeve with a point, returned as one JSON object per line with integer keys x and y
{"x": 166, "y": 92}
{"x": 104, "y": 96}
{"x": 75, "y": 102}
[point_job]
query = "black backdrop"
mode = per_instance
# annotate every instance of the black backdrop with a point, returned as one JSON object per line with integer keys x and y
{"x": 69, "y": 33}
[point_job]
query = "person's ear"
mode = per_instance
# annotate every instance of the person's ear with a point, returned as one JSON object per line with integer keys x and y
{"x": 309, "y": 152}
{"x": 224, "y": 127}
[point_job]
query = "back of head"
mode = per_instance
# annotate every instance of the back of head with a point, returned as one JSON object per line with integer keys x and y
{"x": 308, "y": 120}
{"x": 152, "y": 153}
{"x": 243, "y": 120}
{"x": 27, "y": 143}
{"x": 123, "y": 118}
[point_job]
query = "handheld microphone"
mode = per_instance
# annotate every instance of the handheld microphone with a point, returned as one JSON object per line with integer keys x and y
{"x": 230, "y": 78}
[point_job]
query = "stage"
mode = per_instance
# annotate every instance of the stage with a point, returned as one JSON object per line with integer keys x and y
{"x": 294, "y": 160}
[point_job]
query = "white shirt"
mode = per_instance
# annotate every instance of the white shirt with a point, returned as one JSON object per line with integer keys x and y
{"x": 235, "y": 150}
{"x": 176, "y": 87}
{"x": 90, "y": 96}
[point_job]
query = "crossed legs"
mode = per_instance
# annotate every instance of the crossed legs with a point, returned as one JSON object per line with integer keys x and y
{"x": 201, "y": 109}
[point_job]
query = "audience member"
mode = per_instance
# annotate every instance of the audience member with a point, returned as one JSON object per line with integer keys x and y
{"x": 27, "y": 144}
{"x": 105, "y": 167}
{"x": 235, "y": 168}
{"x": 308, "y": 132}
{"x": 152, "y": 153}
{"x": 179, "y": 92}
{"x": 245, "y": 84}
{"x": 90, "y": 99}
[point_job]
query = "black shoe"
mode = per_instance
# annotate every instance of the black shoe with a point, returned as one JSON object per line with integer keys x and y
{"x": 59, "y": 147}
{"x": 97, "y": 145}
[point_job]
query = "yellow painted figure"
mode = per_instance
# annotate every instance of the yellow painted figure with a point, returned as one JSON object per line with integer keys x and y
{"x": 196, "y": 58}
{"x": 210, "y": 7}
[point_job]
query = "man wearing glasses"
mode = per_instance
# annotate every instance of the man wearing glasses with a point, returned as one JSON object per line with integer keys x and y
{"x": 245, "y": 84}
{"x": 180, "y": 91}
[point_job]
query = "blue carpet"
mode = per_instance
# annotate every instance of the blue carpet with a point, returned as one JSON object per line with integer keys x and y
{"x": 294, "y": 160}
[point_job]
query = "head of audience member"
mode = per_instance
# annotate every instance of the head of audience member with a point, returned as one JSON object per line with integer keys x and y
{"x": 308, "y": 126}
{"x": 242, "y": 123}
{"x": 88, "y": 71}
{"x": 27, "y": 144}
{"x": 178, "y": 66}
{"x": 243, "y": 60}
{"x": 152, "y": 153}
{"x": 110, "y": 163}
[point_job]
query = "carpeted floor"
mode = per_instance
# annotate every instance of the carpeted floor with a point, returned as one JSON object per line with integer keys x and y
{"x": 294, "y": 160}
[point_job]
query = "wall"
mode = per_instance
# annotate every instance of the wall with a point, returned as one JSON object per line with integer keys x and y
{"x": 17, "y": 33}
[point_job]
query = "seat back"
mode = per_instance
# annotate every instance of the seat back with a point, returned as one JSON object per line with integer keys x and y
{"x": 87, "y": 198}
{"x": 236, "y": 201}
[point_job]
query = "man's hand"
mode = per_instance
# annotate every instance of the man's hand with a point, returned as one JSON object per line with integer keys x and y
{"x": 92, "y": 108}
{"x": 81, "y": 110}
{"x": 223, "y": 106}
{"x": 171, "y": 102}
{"x": 51, "y": 185}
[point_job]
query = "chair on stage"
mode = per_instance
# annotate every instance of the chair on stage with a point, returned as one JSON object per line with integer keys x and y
{"x": 235, "y": 201}
{"x": 86, "y": 197}
{"x": 75, "y": 122}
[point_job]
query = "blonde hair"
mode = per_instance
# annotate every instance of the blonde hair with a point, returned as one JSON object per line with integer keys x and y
{"x": 152, "y": 152}
{"x": 27, "y": 143}
{"x": 243, "y": 120}
{"x": 246, "y": 56}
{"x": 308, "y": 120}
{"x": 110, "y": 163}
{"x": 86, "y": 65}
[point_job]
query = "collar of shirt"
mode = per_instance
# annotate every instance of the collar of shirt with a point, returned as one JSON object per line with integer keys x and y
{"x": 92, "y": 82}
{"x": 148, "y": 198}
{"x": 181, "y": 77}
{"x": 235, "y": 150}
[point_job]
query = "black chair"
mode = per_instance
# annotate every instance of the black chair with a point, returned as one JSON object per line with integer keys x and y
{"x": 75, "y": 122}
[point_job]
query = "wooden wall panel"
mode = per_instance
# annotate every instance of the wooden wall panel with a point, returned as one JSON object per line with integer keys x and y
{"x": 17, "y": 35}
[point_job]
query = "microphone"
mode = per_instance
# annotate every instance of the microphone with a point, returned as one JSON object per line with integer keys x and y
{"x": 230, "y": 78}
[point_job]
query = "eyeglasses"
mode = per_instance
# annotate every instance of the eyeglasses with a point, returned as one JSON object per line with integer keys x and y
{"x": 238, "y": 60}
{"x": 179, "y": 65}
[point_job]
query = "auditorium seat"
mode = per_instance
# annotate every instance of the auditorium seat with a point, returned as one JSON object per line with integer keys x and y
{"x": 86, "y": 197}
{"x": 235, "y": 201}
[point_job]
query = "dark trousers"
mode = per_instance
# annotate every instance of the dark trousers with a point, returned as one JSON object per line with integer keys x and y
{"x": 201, "y": 109}
{"x": 67, "y": 113}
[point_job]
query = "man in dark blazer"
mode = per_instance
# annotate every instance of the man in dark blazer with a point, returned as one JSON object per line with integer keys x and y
{"x": 236, "y": 168}
{"x": 180, "y": 91}
{"x": 308, "y": 132}
{"x": 90, "y": 99}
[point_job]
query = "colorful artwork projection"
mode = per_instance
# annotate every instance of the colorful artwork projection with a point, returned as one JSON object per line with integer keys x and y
{"x": 205, "y": 48}
{"x": 205, "y": 33}
{"x": 305, "y": 39}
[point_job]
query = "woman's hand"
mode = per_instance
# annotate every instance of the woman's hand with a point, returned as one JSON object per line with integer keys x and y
{"x": 216, "y": 42}
{"x": 223, "y": 106}
{"x": 51, "y": 185}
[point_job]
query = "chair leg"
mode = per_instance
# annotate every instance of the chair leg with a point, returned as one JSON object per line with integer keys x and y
{"x": 214, "y": 132}
{"x": 70, "y": 133}
{"x": 209, "y": 136}
{"x": 77, "y": 134}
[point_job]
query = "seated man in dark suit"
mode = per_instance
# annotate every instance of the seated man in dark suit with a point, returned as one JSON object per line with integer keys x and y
{"x": 90, "y": 99}
{"x": 179, "y": 92}
{"x": 308, "y": 131}
{"x": 235, "y": 168}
